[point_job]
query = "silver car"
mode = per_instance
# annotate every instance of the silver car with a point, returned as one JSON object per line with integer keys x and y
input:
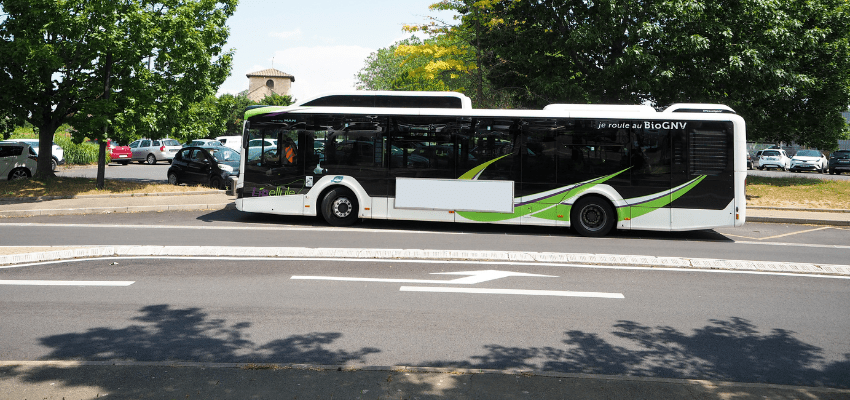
{"x": 151, "y": 151}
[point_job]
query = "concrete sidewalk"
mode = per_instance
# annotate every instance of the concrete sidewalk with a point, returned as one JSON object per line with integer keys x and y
{"x": 139, "y": 380}
{"x": 116, "y": 203}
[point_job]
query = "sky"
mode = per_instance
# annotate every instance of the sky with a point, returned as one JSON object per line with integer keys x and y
{"x": 323, "y": 43}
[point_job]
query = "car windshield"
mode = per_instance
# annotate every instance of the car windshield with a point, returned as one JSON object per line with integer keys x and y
{"x": 225, "y": 155}
{"x": 808, "y": 153}
{"x": 170, "y": 142}
{"x": 841, "y": 154}
{"x": 770, "y": 153}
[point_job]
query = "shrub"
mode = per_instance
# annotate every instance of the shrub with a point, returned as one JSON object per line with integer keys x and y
{"x": 80, "y": 154}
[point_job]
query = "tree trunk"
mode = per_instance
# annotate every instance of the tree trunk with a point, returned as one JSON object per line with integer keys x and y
{"x": 45, "y": 152}
{"x": 101, "y": 153}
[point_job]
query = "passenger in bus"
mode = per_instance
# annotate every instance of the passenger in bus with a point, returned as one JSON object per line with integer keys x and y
{"x": 288, "y": 152}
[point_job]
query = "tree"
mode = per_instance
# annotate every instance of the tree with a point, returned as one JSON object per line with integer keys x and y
{"x": 275, "y": 99}
{"x": 440, "y": 63}
{"x": 231, "y": 113}
{"x": 384, "y": 67}
{"x": 783, "y": 66}
{"x": 120, "y": 67}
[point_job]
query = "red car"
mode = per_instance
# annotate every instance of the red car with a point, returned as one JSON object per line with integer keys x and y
{"x": 119, "y": 154}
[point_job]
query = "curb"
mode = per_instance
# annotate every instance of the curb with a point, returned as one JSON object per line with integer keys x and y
{"x": 563, "y": 259}
{"x": 826, "y": 210}
{"x": 122, "y": 209}
{"x": 803, "y": 221}
{"x": 104, "y": 196}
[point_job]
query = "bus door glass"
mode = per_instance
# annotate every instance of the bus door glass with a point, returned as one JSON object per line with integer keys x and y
{"x": 539, "y": 163}
{"x": 497, "y": 139}
{"x": 651, "y": 155}
{"x": 274, "y": 165}
{"x": 354, "y": 146}
{"x": 421, "y": 147}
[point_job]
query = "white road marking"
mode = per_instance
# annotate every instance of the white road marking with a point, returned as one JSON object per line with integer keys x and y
{"x": 65, "y": 283}
{"x": 512, "y": 292}
{"x": 473, "y": 278}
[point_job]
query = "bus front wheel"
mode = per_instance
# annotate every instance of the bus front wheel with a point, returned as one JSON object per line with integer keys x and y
{"x": 339, "y": 207}
{"x": 593, "y": 216}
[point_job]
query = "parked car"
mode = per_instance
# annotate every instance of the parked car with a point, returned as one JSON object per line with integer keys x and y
{"x": 203, "y": 143}
{"x": 211, "y": 166}
{"x": 809, "y": 160}
{"x": 839, "y": 161}
{"x": 774, "y": 158}
{"x": 749, "y": 161}
{"x": 118, "y": 153}
{"x": 151, "y": 151}
{"x": 234, "y": 142}
{"x": 58, "y": 152}
{"x": 17, "y": 160}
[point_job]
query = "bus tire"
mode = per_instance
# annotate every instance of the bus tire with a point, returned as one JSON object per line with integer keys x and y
{"x": 593, "y": 216}
{"x": 340, "y": 207}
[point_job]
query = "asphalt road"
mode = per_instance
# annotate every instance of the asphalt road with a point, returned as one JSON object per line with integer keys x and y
{"x": 753, "y": 241}
{"x": 674, "y": 324}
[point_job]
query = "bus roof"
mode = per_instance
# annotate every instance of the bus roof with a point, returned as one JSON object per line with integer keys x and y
{"x": 389, "y": 99}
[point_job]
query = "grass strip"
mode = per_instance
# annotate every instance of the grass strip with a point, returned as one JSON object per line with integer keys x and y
{"x": 63, "y": 187}
{"x": 798, "y": 192}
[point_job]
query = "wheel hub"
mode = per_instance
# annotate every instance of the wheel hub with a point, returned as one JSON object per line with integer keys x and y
{"x": 592, "y": 217}
{"x": 342, "y": 207}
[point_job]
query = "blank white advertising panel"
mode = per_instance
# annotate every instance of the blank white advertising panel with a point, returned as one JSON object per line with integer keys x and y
{"x": 454, "y": 194}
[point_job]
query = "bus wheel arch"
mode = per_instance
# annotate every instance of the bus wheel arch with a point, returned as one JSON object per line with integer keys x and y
{"x": 340, "y": 206}
{"x": 593, "y": 215}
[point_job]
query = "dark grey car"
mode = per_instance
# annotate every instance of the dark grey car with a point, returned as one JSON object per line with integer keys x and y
{"x": 839, "y": 161}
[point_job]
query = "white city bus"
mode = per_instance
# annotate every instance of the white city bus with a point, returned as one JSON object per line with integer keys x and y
{"x": 429, "y": 156}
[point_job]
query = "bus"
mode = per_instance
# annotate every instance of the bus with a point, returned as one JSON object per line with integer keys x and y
{"x": 429, "y": 156}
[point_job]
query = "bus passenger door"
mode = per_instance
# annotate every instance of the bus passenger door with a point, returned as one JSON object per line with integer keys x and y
{"x": 538, "y": 190}
{"x": 651, "y": 174}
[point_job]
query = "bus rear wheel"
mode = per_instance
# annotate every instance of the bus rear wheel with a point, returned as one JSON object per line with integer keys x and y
{"x": 593, "y": 216}
{"x": 339, "y": 207}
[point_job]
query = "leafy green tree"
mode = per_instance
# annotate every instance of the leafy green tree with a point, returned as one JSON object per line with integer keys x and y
{"x": 783, "y": 65}
{"x": 440, "y": 63}
{"x": 384, "y": 67}
{"x": 231, "y": 113}
{"x": 126, "y": 68}
{"x": 275, "y": 99}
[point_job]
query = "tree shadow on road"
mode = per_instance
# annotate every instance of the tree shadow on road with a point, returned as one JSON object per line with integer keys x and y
{"x": 169, "y": 334}
{"x": 724, "y": 350}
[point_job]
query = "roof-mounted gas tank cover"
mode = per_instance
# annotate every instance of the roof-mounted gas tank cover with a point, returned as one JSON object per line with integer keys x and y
{"x": 390, "y": 99}
{"x": 600, "y": 107}
{"x": 699, "y": 108}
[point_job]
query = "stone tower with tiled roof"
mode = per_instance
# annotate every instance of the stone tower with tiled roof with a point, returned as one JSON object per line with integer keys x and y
{"x": 268, "y": 81}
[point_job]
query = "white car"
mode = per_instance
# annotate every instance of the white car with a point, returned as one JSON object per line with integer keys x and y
{"x": 17, "y": 160}
{"x": 58, "y": 153}
{"x": 203, "y": 143}
{"x": 809, "y": 160}
{"x": 774, "y": 158}
{"x": 234, "y": 142}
